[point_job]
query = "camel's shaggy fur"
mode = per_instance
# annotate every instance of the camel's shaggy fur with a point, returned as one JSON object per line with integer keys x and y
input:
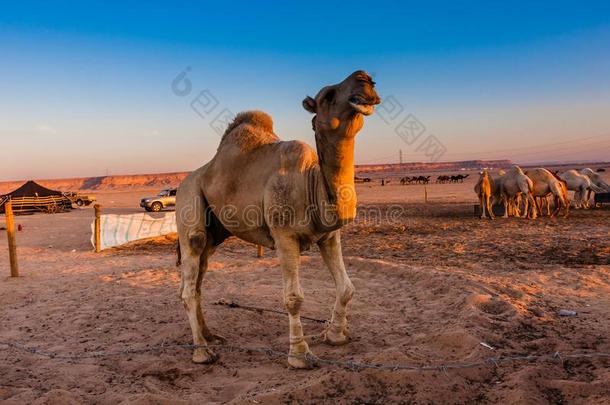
{"x": 249, "y": 130}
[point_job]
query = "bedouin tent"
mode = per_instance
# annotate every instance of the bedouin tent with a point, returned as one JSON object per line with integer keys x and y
{"x": 32, "y": 197}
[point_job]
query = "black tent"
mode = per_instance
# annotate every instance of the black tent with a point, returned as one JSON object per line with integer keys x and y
{"x": 32, "y": 189}
{"x": 32, "y": 197}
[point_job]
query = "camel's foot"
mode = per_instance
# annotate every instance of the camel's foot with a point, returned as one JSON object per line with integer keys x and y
{"x": 301, "y": 357}
{"x": 203, "y": 355}
{"x": 215, "y": 339}
{"x": 335, "y": 338}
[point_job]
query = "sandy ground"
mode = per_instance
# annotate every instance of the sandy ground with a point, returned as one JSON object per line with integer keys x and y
{"x": 432, "y": 284}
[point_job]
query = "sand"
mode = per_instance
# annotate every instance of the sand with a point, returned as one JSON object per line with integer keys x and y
{"x": 431, "y": 286}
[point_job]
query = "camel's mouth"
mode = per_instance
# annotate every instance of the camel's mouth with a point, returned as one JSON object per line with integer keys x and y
{"x": 361, "y": 105}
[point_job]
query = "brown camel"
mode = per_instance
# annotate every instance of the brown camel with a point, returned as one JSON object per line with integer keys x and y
{"x": 278, "y": 194}
{"x": 484, "y": 189}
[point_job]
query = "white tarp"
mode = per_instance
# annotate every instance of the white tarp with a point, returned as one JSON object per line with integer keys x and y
{"x": 117, "y": 230}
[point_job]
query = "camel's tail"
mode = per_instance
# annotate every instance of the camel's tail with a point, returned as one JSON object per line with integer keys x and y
{"x": 178, "y": 253}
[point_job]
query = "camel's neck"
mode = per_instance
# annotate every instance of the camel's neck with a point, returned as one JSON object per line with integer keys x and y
{"x": 336, "y": 156}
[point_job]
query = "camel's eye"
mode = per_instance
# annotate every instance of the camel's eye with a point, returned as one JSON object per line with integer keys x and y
{"x": 329, "y": 96}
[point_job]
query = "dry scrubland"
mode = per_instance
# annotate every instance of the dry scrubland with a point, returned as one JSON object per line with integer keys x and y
{"x": 430, "y": 287}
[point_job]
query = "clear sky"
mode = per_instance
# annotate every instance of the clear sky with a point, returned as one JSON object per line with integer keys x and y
{"x": 86, "y": 87}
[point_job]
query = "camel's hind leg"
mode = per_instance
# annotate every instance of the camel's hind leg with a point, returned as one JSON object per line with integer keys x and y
{"x": 195, "y": 251}
{"x": 289, "y": 253}
{"x": 506, "y": 204}
{"x": 530, "y": 207}
{"x": 336, "y": 333}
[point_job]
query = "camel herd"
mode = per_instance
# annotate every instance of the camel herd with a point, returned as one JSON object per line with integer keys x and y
{"x": 442, "y": 179}
{"x": 458, "y": 178}
{"x": 528, "y": 193}
{"x": 415, "y": 180}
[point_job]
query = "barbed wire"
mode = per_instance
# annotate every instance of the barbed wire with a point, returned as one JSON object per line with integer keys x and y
{"x": 233, "y": 304}
{"x": 346, "y": 364}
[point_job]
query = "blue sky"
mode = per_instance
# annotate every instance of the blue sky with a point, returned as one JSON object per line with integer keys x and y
{"x": 86, "y": 87}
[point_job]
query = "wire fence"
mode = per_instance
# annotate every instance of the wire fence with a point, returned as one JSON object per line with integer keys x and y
{"x": 314, "y": 360}
{"x": 233, "y": 304}
{"x": 275, "y": 354}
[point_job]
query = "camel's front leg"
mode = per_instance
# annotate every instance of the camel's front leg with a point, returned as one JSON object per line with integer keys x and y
{"x": 336, "y": 333}
{"x": 577, "y": 199}
{"x": 289, "y": 254}
{"x": 490, "y": 208}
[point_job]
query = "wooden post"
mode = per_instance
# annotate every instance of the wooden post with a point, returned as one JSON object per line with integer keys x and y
{"x": 98, "y": 213}
{"x": 12, "y": 242}
{"x": 425, "y": 195}
{"x": 259, "y": 252}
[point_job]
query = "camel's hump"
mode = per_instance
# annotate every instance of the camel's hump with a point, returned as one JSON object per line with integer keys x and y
{"x": 249, "y": 130}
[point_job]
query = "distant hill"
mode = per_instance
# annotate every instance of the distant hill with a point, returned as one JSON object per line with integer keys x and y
{"x": 121, "y": 182}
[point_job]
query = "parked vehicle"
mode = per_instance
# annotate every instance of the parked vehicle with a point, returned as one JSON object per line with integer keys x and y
{"x": 81, "y": 200}
{"x": 166, "y": 198}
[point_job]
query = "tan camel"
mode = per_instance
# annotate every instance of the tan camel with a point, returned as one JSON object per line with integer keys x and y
{"x": 513, "y": 184}
{"x": 278, "y": 194}
{"x": 484, "y": 189}
{"x": 581, "y": 185}
{"x": 497, "y": 195}
{"x": 545, "y": 184}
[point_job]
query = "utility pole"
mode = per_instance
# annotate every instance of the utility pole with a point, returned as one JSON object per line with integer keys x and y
{"x": 400, "y": 156}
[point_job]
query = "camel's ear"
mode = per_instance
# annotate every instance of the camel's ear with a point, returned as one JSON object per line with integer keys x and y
{"x": 309, "y": 104}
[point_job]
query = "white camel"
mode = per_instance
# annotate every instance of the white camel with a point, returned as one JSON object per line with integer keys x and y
{"x": 581, "y": 185}
{"x": 596, "y": 180}
{"x": 515, "y": 184}
{"x": 546, "y": 184}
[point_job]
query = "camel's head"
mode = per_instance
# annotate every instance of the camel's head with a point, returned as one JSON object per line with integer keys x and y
{"x": 341, "y": 107}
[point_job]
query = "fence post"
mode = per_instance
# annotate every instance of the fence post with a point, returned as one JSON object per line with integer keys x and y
{"x": 12, "y": 242}
{"x": 259, "y": 251}
{"x": 425, "y": 195}
{"x": 98, "y": 213}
